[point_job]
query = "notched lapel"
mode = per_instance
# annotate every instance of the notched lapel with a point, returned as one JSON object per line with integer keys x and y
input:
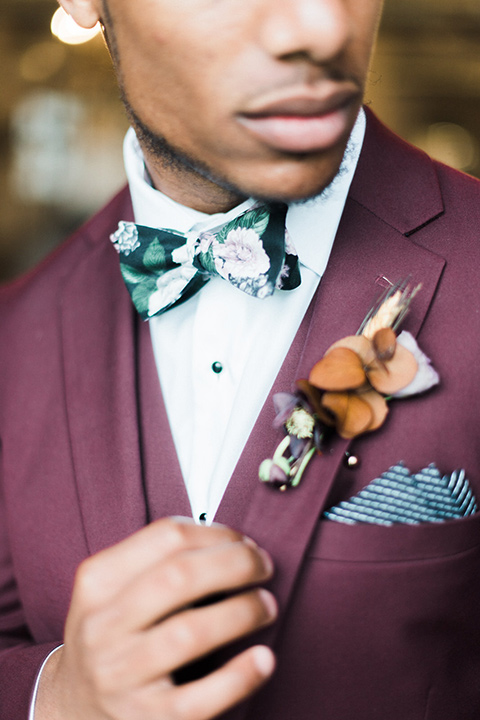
{"x": 396, "y": 182}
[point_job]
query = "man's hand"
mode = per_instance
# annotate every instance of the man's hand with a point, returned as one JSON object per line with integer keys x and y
{"x": 133, "y": 622}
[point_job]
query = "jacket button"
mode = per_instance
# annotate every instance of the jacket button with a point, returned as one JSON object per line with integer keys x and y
{"x": 352, "y": 462}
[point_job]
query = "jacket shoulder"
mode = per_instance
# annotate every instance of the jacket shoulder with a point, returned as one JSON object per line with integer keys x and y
{"x": 51, "y": 273}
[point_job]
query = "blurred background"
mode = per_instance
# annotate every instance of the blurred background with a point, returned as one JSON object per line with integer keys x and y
{"x": 62, "y": 123}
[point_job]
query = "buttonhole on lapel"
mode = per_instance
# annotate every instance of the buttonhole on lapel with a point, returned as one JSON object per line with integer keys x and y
{"x": 351, "y": 461}
{"x": 383, "y": 281}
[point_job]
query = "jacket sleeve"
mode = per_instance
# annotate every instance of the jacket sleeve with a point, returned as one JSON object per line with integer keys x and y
{"x": 20, "y": 657}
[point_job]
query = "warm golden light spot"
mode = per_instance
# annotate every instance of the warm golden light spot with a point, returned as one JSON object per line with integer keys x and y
{"x": 66, "y": 29}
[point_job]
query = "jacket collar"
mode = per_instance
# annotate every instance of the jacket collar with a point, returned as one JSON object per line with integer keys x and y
{"x": 395, "y": 181}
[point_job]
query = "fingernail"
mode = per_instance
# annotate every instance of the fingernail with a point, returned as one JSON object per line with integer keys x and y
{"x": 264, "y": 556}
{"x": 269, "y": 602}
{"x": 264, "y": 660}
{"x": 267, "y": 561}
{"x": 248, "y": 541}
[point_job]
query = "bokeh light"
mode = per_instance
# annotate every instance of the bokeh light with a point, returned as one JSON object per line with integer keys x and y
{"x": 64, "y": 27}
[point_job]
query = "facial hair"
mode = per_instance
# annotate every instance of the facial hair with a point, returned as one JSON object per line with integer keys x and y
{"x": 170, "y": 157}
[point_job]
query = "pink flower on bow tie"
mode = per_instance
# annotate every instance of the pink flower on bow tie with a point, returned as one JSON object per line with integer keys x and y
{"x": 242, "y": 255}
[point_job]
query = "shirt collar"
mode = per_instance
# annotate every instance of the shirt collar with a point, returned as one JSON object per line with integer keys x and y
{"x": 312, "y": 224}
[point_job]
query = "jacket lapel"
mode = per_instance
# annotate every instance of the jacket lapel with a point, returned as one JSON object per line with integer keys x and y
{"x": 164, "y": 486}
{"x": 99, "y": 341}
{"x": 369, "y": 244}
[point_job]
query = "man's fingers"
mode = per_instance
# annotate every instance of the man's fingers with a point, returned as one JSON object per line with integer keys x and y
{"x": 190, "y": 635}
{"x": 218, "y": 692}
{"x": 179, "y": 582}
{"x": 105, "y": 574}
{"x": 140, "y": 611}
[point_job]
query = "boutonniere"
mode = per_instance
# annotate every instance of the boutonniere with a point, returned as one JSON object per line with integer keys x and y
{"x": 349, "y": 389}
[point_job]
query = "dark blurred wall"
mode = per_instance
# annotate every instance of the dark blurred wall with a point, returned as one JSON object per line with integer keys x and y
{"x": 62, "y": 124}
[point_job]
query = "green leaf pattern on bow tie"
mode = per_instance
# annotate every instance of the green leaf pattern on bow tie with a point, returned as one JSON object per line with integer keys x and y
{"x": 155, "y": 256}
{"x": 142, "y": 265}
{"x": 206, "y": 259}
{"x": 132, "y": 275}
{"x": 256, "y": 220}
{"x": 144, "y": 286}
{"x": 140, "y": 287}
{"x": 141, "y": 295}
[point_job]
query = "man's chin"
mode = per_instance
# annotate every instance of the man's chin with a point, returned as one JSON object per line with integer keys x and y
{"x": 292, "y": 186}
{"x": 289, "y": 177}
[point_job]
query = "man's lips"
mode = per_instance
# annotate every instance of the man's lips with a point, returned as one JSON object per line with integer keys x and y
{"x": 302, "y": 123}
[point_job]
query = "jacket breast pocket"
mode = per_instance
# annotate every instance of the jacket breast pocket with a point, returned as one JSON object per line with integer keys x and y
{"x": 394, "y": 543}
{"x": 391, "y": 616}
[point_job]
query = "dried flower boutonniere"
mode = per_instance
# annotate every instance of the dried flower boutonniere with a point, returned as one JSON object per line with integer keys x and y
{"x": 348, "y": 390}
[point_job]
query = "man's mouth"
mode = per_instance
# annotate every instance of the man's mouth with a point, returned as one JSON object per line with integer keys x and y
{"x": 303, "y": 122}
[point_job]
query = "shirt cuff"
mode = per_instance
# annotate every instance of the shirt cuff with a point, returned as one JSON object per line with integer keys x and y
{"x": 31, "y": 714}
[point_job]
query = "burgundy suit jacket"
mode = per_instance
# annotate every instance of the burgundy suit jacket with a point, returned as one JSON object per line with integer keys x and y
{"x": 376, "y": 622}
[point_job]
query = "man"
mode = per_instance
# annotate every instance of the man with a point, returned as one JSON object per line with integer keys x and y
{"x": 234, "y": 102}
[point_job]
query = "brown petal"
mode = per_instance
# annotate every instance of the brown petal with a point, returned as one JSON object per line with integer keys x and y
{"x": 359, "y": 344}
{"x": 354, "y": 415}
{"x": 340, "y": 369}
{"x": 395, "y": 374}
{"x": 378, "y": 407}
{"x": 384, "y": 342}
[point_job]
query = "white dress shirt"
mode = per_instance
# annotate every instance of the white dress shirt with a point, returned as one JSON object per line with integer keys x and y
{"x": 211, "y": 414}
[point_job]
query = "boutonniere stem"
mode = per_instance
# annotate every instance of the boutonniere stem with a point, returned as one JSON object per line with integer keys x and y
{"x": 348, "y": 390}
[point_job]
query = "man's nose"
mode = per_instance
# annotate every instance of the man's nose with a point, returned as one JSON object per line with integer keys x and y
{"x": 319, "y": 29}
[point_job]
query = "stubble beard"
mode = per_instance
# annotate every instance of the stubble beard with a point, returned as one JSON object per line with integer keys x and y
{"x": 166, "y": 156}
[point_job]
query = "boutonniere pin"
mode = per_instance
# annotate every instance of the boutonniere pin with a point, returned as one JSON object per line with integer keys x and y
{"x": 349, "y": 389}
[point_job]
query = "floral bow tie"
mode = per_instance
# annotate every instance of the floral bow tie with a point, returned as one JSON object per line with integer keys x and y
{"x": 162, "y": 268}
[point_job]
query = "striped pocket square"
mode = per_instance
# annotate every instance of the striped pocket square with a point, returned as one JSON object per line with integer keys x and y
{"x": 399, "y": 497}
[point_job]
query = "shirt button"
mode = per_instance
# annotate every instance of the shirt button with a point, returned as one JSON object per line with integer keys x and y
{"x": 217, "y": 367}
{"x": 203, "y": 517}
